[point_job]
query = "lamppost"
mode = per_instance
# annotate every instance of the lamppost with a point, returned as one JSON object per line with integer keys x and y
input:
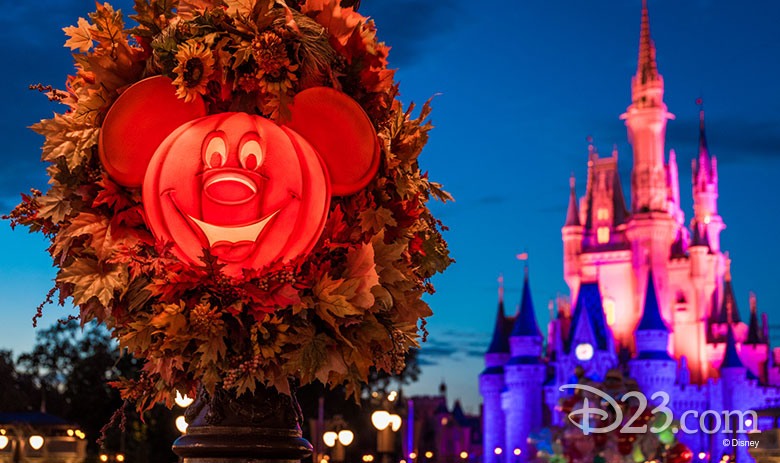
{"x": 338, "y": 441}
{"x": 386, "y": 425}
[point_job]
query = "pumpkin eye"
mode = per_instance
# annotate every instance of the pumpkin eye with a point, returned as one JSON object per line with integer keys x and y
{"x": 215, "y": 151}
{"x": 251, "y": 154}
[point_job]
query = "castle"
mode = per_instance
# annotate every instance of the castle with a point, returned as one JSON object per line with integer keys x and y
{"x": 650, "y": 294}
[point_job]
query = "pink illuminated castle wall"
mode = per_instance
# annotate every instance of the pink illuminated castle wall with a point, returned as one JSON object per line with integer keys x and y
{"x": 648, "y": 291}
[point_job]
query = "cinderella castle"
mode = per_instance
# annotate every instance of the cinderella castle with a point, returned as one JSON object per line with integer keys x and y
{"x": 650, "y": 294}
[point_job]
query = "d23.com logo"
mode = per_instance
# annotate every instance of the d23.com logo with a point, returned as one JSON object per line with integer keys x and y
{"x": 595, "y": 411}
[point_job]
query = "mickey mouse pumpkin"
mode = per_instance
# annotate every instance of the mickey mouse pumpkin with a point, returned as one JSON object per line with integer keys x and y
{"x": 250, "y": 191}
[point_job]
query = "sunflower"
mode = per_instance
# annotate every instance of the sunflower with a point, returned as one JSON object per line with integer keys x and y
{"x": 275, "y": 73}
{"x": 196, "y": 66}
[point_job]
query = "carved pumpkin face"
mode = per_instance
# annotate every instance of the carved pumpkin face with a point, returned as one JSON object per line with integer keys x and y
{"x": 248, "y": 190}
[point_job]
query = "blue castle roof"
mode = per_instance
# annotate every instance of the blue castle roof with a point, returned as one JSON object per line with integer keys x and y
{"x": 589, "y": 305}
{"x": 651, "y": 316}
{"x": 731, "y": 358}
{"x": 500, "y": 342}
{"x": 525, "y": 324}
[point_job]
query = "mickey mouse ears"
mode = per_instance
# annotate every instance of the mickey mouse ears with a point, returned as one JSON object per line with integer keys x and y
{"x": 137, "y": 123}
{"x": 147, "y": 112}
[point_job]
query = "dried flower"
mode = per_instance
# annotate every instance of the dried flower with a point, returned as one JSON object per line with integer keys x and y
{"x": 275, "y": 73}
{"x": 196, "y": 66}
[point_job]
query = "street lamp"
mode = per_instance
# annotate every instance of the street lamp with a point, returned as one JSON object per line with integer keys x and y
{"x": 3, "y": 442}
{"x": 182, "y": 400}
{"x": 181, "y": 424}
{"x": 339, "y": 441}
{"x": 329, "y": 438}
{"x": 36, "y": 442}
{"x": 380, "y": 419}
{"x": 346, "y": 437}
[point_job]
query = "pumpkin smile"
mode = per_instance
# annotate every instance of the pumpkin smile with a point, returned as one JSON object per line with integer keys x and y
{"x": 231, "y": 243}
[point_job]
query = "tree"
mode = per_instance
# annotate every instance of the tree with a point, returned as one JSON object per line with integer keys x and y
{"x": 67, "y": 374}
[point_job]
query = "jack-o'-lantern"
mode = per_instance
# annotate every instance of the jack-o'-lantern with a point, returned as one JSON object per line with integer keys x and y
{"x": 246, "y": 189}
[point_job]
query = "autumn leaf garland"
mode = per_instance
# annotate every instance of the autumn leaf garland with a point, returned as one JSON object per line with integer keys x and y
{"x": 355, "y": 302}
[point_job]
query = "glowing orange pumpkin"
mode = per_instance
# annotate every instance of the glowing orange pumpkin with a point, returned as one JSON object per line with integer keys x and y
{"x": 250, "y": 191}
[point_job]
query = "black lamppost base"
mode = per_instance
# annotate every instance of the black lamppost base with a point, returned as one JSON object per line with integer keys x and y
{"x": 264, "y": 427}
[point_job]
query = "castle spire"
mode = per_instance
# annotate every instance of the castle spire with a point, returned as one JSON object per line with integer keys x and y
{"x": 704, "y": 169}
{"x": 525, "y": 324}
{"x": 499, "y": 344}
{"x": 651, "y": 316}
{"x": 572, "y": 213}
{"x": 647, "y": 68}
{"x": 754, "y": 330}
{"x": 731, "y": 357}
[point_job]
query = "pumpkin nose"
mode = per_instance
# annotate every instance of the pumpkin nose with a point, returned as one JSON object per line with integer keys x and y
{"x": 230, "y": 188}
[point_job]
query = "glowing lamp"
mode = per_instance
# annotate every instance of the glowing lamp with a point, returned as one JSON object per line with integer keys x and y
{"x": 329, "y": 438}
{"x": 3, "y": 442}
{"x": 429, "y": 454}
{"x": 36, "y": 442}
{"x": 392, "y": 396}
{"x": 119, "y": 457}
{"x": 464, "y": 455}
{"x": 103, "y": 457}
{"x": 412, "y": 456}
{"x": 322, "y": 460}
{"x": 748, "y": 422}
{"x": 346, "y": 436}
{"x": 380, "y": 419}
{"x": 497, "y": 450}
{"x": 583, "y": 352}
{"x": 702, "y": 455}
{"x": 181, "y": 424}
{"x": 69, "y": 432}
{"x": 246, "y": 189}
{"x": 395, "y": 422}
{"x": 517, "y": 451}
{"x": 182, "y": 400}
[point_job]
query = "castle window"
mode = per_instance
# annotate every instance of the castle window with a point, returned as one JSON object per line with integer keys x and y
{"x": 609, "y": 311}
{"x": 602, "y": 214}
{"x": 602, "y": 234}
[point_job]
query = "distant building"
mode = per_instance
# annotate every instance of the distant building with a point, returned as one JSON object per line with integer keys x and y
{"x": 449, "y": 435}
{"x": 40, "y": 437}
{"x": 649, "y": 292}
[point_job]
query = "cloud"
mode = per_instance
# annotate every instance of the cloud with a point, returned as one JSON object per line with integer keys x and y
{"x": 406, "y": 25}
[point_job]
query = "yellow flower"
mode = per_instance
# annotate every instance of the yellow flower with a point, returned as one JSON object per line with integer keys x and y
{"x": 196, "y": 66}
{"x": 275, "y": 73}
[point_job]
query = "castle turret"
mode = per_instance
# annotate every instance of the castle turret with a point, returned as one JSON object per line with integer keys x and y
{"x": 652, "y": 367}
{"x": 524, "y": 374}
{"x": 646, "y": 121}
{"x": 733, "y": 375}
{"x": 491, "y": 384}
{"x": 705, "y": 191}
{"x": 572, "y": 241}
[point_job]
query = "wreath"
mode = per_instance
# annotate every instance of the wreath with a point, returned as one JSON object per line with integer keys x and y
{"x": 353, "y": 303}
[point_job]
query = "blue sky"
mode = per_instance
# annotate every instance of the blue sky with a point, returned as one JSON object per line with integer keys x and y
{"x": 518, "y": 91}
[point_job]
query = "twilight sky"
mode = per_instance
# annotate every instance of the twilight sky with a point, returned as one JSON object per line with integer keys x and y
{"x": 518, "y": 91}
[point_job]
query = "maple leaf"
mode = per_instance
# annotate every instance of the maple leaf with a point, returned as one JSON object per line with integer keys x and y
{"x": 79, "y": 36}
{"x": 108, "y": 27}
{"x": 361, "y": 269}
{"x": 54, "y": 206}
{"x": 85, "y": 223}
{"x": 375, "y": 220}
{"x": 240, "y": 7}
{"x": 385, "y": 257}
{"x": 332, "y": 297}
{"x": 91, "y": 278}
